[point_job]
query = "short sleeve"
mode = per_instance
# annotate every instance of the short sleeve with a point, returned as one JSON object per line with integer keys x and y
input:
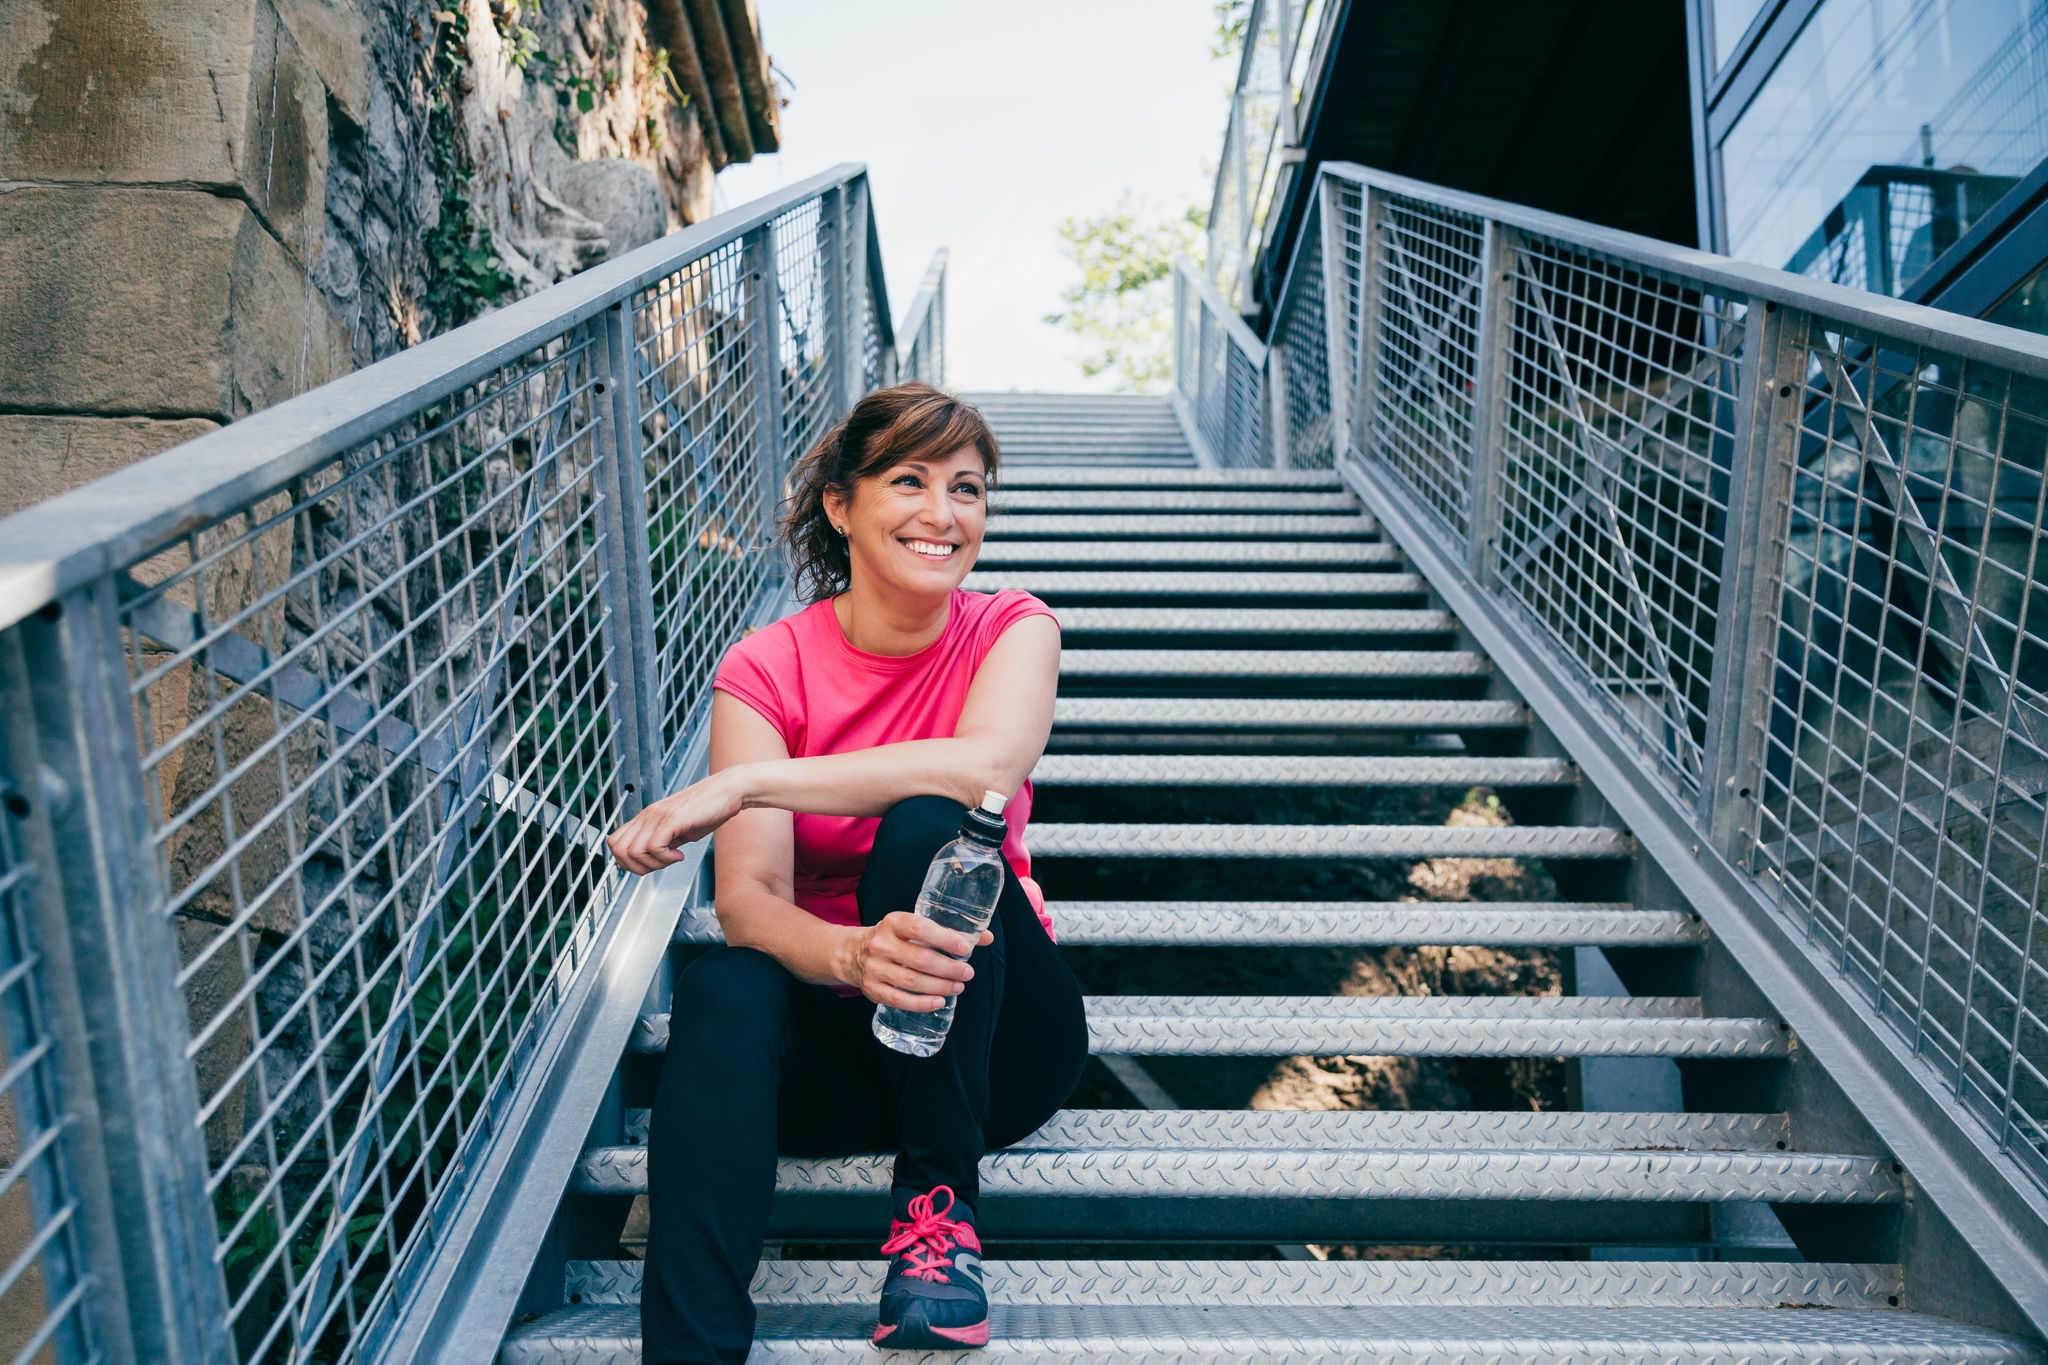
{"x": 757, "y": 670}
{"x": 1003, "y": 610}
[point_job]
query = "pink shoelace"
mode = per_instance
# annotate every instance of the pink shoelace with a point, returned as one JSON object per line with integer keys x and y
{"x": 927, "y": 1237}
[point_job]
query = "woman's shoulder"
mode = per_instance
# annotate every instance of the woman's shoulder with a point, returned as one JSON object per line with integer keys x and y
{"x": 772, "y": 645}
{"x": 985, "y": 615}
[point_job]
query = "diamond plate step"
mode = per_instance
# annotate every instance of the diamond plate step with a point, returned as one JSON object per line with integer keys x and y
{"x": 1261, "y": 770}
{"x": 1277, "y": 663}
{"x": 1143, "y": 476}
{"x": 1108, "y": 1161}
{"x": 1400, "y": 1026}
{"x": 1293, "y": 1334}
{"x": 1214, "y": 526}
{"x": 1284, "y": 713}
{"x": 1054, "y": 584}
{"x": 1234, "y": 554}
{"x": 1489, "y": 924}
{"x": 1310, "y": 1284}
{"x": 1281, "y": 622}
{"x": 1012, "y": 501}
{"x": 1326, "y": 841}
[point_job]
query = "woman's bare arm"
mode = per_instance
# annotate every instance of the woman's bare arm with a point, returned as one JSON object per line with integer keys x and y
{"x": 893, "y": 963}
{"x": 1002, "y": 731}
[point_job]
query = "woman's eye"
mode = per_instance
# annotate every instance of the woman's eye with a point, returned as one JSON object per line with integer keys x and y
{"x": 971, "y": 490}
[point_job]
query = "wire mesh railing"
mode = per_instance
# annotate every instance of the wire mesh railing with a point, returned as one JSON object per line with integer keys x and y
{"x": 349, "y": 693}
{"x": 923, "y": 330}
{"x": 1219, "y": 384}
{"x": 1783, "y": 543}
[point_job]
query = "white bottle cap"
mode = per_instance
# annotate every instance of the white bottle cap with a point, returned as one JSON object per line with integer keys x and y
{"x": 993, "y": 802}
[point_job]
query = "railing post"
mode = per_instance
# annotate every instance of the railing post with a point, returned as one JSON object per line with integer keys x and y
{"x": 1495, "y": 343}
{"x": 1760, "y": 486}
{"x": 764, "y": 313}
{"x": 79, "y": 1157}
{"x": 1336, "y": 304}
{"x": 1371, "y": 208}
{"x": 134, "y": 1012}
{"x": 1276, "y": 404}
{"x": 628, "y": 580}
{"x": 855, "y": 241}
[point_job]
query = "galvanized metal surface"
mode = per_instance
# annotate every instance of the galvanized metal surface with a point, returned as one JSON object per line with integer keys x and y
{"x": 1264, "y": 1173}
{"x": 1327, "y": 841}
{"x": 1271, "y": 770}
{"x": 1056, "y": 584}
{"x": 1177, "y": 525}
{"x": 1293, "y": 1335}
{"x": 1011, "y": 500}
{"x": 1285, "y": 622}
{"x": 1286, "y": 713}
{"x": 1515, "y": 924}
{"x": 1131, "y": 476}
{"x": 1327, "y": 554}
{"x": 1288, "y": 663}
{"x": 1281, "y": 1284}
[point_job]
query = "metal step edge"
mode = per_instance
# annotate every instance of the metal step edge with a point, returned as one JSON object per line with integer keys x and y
{"x": 1287, "y": 713}
{"x": 1145, "y": 476}
{"x": 1017, "y": 501}
{"x": 1239, "y": 554}
{"x": 1276, "y": 663}
{"x": 1327, "y": 841}
{"x": 1056, "y": 582}
{"x": 1236, "y": 1026}
{"x": 1261, "y": 770}
{"x": 1222, "y": 1173}
{"x": 1309, "y": 1284}
{"x": 1387, "y": 1130}
{"x": 1216, "y": 525}
{"x": 1283, "y": 621}
{"x": 605, "y": 1334}
{"x": 1282, "y": 924}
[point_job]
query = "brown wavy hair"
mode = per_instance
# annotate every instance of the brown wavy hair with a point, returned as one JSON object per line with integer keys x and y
{"x": 884, "y": 429}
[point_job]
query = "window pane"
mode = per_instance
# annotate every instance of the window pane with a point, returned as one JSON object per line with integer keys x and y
{"x": 1889, "y": 127}
{"x": 1732, "y": 19}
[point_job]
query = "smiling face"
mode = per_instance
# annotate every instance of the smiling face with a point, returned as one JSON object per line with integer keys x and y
{"x": 914, "y": 530}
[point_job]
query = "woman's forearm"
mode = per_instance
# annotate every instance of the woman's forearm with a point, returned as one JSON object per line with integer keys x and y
{"x": 809, "y": 948}
{"x": 869, "y": 781}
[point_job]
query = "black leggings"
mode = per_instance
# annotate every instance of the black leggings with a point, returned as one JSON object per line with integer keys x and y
{"x": 760, "y": 1063}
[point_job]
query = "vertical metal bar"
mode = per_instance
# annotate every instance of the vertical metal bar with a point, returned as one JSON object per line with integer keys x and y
{"x": 854, "y": 246}
{"x": 1336, "y": 306}
{"x": 765, "y": 306}
{"x": 1276, "y": 403}
{"x": 1752, "y": 568}
{"x": 1496, "y": 341}
{"x": 1371, "y": 210}
{"x": 833, "y": 297}
{"x": 135, "y": 1015}
{"x": 32, "y": 807}
{"x": 628, "y": 579}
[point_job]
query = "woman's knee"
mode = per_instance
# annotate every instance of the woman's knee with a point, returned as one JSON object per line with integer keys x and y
{"x": 917, "y": 827}
{"x": 737, "y": 993}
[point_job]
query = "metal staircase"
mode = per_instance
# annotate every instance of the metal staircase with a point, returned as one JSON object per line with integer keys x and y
{"x": 1241, "y": 647}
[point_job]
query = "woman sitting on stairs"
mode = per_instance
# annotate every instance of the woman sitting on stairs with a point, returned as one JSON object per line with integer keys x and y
{"x": 847, "y": 743}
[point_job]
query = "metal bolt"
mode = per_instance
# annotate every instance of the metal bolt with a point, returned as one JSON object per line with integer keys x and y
{"x": 1785, "y": 391}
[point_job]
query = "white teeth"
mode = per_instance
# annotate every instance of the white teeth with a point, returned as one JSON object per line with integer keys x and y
{"x": 931, "y": 549}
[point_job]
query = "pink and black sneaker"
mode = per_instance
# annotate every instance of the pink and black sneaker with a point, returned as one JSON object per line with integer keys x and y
{"x": 933, "y": 1299}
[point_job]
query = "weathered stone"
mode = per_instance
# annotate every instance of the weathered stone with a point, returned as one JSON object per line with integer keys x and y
{"x": 203, "y": 92}
{"x": 41, "y": 457}
{"x": 335, "y": 36}
{"x": 160, "y": 302}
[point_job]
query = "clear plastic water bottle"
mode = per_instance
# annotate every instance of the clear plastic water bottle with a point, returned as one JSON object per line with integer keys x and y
{"x": 960, "y": 892}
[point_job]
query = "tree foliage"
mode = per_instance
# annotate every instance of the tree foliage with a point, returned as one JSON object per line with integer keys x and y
{"x": 1232, "y": 17}
{"x": 1122, "y": 307}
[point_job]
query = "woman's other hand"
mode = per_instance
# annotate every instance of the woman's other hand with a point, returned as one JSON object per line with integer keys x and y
{"x": 652, "y": 839}
{"x": 903, "y": 962}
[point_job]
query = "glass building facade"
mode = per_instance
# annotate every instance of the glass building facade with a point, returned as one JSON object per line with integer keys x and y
{"x": 1886, "y": 145}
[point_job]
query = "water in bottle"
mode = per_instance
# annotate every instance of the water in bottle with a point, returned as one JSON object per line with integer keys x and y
{"x": 960, "y": 892}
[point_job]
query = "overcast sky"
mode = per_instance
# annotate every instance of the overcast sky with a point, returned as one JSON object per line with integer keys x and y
{"x": 983, "y": 126}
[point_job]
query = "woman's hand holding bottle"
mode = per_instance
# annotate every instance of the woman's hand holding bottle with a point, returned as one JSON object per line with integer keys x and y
{"x": 908, "y": 962}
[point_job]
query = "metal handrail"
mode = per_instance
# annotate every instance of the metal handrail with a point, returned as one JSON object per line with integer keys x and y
{"x": 923, "y": 326}
{"x": 350, "y": 690}
{"x": 1646, "y": 478}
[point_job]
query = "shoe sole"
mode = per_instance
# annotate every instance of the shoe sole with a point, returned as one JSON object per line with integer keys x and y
{"x": 924, "y": 1338}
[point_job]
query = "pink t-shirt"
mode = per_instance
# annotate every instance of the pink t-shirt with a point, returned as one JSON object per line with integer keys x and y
{"x": 826, "y": 697}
